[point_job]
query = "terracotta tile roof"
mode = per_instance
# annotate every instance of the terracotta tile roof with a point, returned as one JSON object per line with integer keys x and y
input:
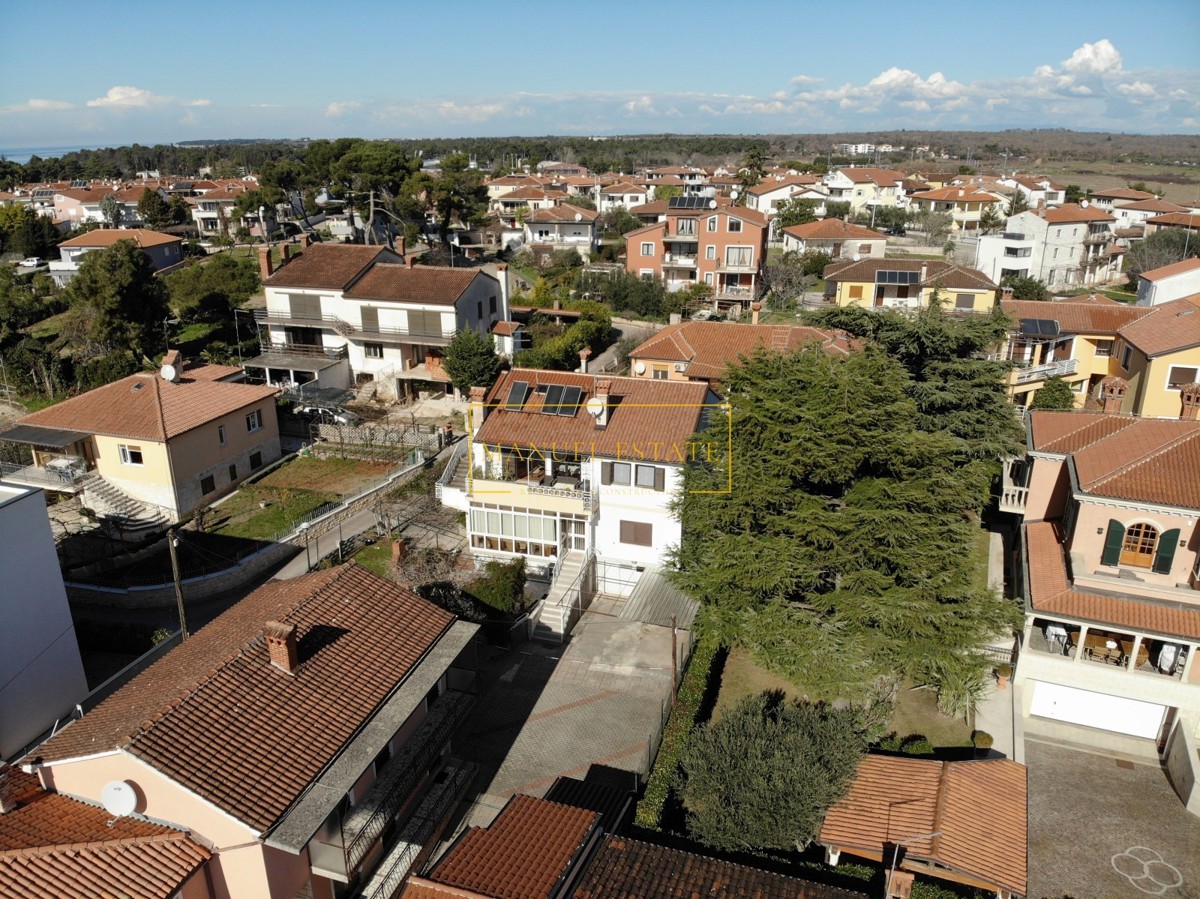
{"x": 1123, "y": 193}
{"x": 528, "y": 193}
{"x": 832, "y": 229}
{"x": 646, "y": 229}
{"x": 937, "y": 273}
{"x": 214, "y": 715}
{"x": 642, "y": 413}
{"x": 328, "y": 266}
{"x": 892, "y": 798}
{"x": 959, "y": 195}
{"x": 1052, "y": 592}
{"x": 709, "y": 348}
{"x": 778, "y": 182}
{"x": 1065, "y": 432}
{"x": 1151, "y": 461}
{"x": 1102, "y": 316}
{"x": 624, "y": 187}
{"x": 55, "y": 847}
{"x": 506, "y": 329}
{"x": 426, "y": 285}
{"x": 106, "y": 237}
{"x": 211, "y": 372}
{"x": 752, "y": 216}
{"x": 631, "y": 869}
{"x": 564, "y": 213}
{"x": 520, "y": 855}
{"x": 1036, "y": 182}
{"x": 882, "y": 177}
{"x": 1166, "y": 328}
{"x": 1074, "y": 212}
{"x": 1176, "y": 219}
{"x": 1170, "y": 271}
{"x": 1154, "y": 205}
{"x": 146, "y": 407}
{"x": 657, "y": 207}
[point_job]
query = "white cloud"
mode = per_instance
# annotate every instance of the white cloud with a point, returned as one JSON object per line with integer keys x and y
{"x": 200, "y": 103}
{"x": 805, "y": 80}
{"x": 1094, "y": 59}
{"x": 1137, "y": 89}
{"x": 337, "y": 109}
{"x": 35, "y": 104}
{"x": 128, "y": 96}
{"x": 641, "y": 104}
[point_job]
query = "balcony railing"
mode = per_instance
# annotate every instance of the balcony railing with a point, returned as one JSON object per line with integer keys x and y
{"x": 368, "y": 820}
{"x": 346, "y": 329}
{"x": 1049, "y": 370}
{"x": 305, "y": 349}
{"x": 678, "y": 259}
{"x": 1013, "y": 499}
{"x": 566, "y": 490}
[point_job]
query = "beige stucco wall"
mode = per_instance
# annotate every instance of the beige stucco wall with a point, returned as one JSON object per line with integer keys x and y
{"x": 150, "y": 482}
{"x": 1091, "y": 525}
{"x": 241, "y": 867}
{"x": 1154, "y": 400}
{"x": 1049, "y": 487}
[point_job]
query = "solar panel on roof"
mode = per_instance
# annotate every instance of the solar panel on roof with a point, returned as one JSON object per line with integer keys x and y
{"x": 517, "y": 395}
{"x": 687, "y": 203}
{"x": 569, "y": 404}
{"x": 553, "y": 398}
{"x": 894, "y": 277}
{"x": 1041, "y": 327}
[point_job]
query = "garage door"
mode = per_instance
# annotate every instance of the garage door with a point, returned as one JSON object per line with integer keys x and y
{"x": 1114, "y": 713}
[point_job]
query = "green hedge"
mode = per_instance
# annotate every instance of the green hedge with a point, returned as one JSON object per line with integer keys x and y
{"x": 679, "y": 728}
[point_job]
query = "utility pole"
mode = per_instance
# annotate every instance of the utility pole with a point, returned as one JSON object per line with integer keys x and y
{"x": 674, "y": 654}
{"x": 172, "y": 543}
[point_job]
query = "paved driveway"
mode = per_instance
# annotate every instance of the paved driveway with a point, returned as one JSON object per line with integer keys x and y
{"x": 1100, "y": 828}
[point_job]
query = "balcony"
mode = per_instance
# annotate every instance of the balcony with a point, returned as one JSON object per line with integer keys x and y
{"x": 678, "y": 260}
{"x": 304, "y": 349}
{"x": 1097, "y": 237}
{"x": 733, "y": 268}
{"x": 1120, "y": 653}
{"x": 549, "y": 494}
{"x": 63, "y": 475}
{"x": 1043, "y": 372}
{"x": 346, "y": 329}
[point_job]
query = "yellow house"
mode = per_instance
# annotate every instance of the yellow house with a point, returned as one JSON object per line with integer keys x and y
{"x": 908, "y": 284}
{"x": 153, "y": 446}
{"x": 1070, "y": 339}
{"x": 1159, "y": 355}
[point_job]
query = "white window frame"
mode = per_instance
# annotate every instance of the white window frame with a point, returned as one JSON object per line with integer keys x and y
{"x": 712, "y": 224}
{"x": 647, "y": 274}
{"x": 622, "y": 474}
{"x": 647, "y": 248}
{"x": 254, "y": 421}
{"x": 739, "y": 248}
{"x": 127, "y": 453}
{"x": 710, "y": 251}
{"x": 1171, "y": 369}
{"x": 735, "y": 226}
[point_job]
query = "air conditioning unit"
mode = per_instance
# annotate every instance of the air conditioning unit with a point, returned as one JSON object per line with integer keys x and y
{"x": 679, "y": 366}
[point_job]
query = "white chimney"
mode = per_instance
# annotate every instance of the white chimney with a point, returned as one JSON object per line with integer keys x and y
{"x": 583, "y": 358}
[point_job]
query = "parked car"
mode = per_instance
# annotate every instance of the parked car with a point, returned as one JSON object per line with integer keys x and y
{"x": 897, "y": 231}
{"x": 329, "y": 415}
{"x": 32, "y": 262}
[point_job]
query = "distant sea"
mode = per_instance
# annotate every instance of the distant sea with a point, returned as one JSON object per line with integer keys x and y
{"x": 23, "y": 154}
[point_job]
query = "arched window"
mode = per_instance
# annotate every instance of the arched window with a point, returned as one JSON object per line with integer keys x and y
{"x": 1139, "y": 544}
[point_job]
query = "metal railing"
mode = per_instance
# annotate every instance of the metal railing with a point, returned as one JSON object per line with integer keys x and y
{"x": 1049, "y": 370}
{"x": 447, "y": 476}
{"x": 345, "y": 328}
{"x": 581, "y": 493}
{"x": 402, "y": 774}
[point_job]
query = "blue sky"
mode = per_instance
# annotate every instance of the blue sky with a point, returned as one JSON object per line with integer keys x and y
{"x": 108, "y": 73}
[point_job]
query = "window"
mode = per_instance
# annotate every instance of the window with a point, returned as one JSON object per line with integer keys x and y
{"x": 1138, "y": 547}
{"x": 741, "y": 257}
{"x": 712, "y": 224}
{"x": 652, "y": 477}
{"x": 208, "y": 484}
{"x": 637, "y": 533}
{"x": 647, "y": 248}
{"x": 1104, "y": 347}
{"x": 255, "y": 461}
{"x": 856, "y": 291}
{"x": 1126, "y": 356}
{"x": 686, "y": 228}
{"x": 254, "y": 421}
{"x": 373, "y": 350}
{"x": 491, "y": 305}
{"x": 130, "y": 455}
{"x": 965, "y": 301}
{"x": 647, "y": 274}
{"x": 735, "y": 225}
{"x": 382, "y": 759}
{"x": 660, "y": 373}
{"x": 232, "y": 473}
{"x": 1180, "y": 376}
{"x": 479, "y": 308}
{"x": 710, "y": 252}
{"x": 621, "y": 473}
{"x": 221, "y": 434}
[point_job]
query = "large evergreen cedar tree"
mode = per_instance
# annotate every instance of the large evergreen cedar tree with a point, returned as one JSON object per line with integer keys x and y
{"x": 471, "y": 361}
{"x": 116, "y": 303}
{"x": 840, "y": 556}
{"x": 763, "y": 775}
{"x": 209, "y": 291}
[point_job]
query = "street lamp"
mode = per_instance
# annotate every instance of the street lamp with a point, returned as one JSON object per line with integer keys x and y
{"x": 307, "y": 553}
{"x": 896, "y": 854}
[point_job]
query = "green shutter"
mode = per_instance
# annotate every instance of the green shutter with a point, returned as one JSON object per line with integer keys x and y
{"x": 1165, "y": 554}
{"x": 1112, "y": 543}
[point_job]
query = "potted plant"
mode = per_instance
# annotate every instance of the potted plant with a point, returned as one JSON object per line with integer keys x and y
{"x": 983, "y": 743}
{"x": 1003, "y": 673}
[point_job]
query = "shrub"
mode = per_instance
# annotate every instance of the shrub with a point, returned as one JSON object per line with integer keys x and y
{"x": 981, "y": 739}
{"x": 916, "y": 744}
{"x": 502, "y": 585}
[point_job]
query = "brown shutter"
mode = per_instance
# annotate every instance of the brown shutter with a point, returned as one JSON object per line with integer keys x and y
{"x": 660, "y": 479}
{"x": 606, "y": 472}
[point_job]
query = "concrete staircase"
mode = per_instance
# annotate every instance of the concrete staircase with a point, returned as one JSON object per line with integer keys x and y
{"x": 110, "y": 502}
{"x": 562, "y": 606}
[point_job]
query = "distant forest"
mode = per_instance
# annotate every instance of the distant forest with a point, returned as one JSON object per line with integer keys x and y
{"x": 983, "y": 149}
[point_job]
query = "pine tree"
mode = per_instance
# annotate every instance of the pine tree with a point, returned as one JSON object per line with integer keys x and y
{"x": 471, "y": 361}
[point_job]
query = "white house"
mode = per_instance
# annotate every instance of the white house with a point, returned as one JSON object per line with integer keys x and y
{"x": 41, "y": 674}
{"x": 564, "y": 227}
{"x": 1134, "y": 215}
{"x": 1170, "y": 282}
{"x": 865, "y": 187}
{"x": 622, "y": 195}
{"x": 1064, "y": 246}
{"x": 338, "y": 315}
{"x": 163, "y": 250}
{"x": 566, "y": 462}
{"x": 1036, "y": 189}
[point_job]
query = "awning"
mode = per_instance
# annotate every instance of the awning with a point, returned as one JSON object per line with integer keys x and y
{"x": 53, "y": 437}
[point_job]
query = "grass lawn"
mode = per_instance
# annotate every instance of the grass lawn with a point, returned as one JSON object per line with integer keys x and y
{"x": 1121, "y": 296}
{"x": 978, "y": 554}
{"x": 48, "y": 327}
{"x": 743, "y": 677}
{"x": 376, "y": 558}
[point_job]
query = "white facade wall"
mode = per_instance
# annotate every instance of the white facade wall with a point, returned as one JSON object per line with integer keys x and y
{"x": 991, "y": 256}
{"x": 41, "y": 674}
{"x": 641, "y": 505}
{"x": 1151, "y": 293}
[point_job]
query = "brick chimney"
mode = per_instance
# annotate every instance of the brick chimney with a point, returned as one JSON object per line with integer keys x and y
{"x": 1112, "y": 394}
{"x": 1006, "y": 293}
{"x": 1189, "y": 396}
{"x": 603, "y": 389}
{"x": 924, "y": 273}
{"x": 583, "y": 358}
{"x": 285, "y": 251}
{"x": 281, "y": 645}
{"x": 755, "y": 308}
{"x": 477, "y": 411}
{"x": 266, "y": 268}
{"x": 8, "y": 799}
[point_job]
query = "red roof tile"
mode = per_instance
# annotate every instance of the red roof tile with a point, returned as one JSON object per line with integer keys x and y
{"x": 832, "y": 229}
{"x": 1052, "y": 592}
{"x": 937, "y": 273}
{"x": 106, "y": 237}
{"x": 520, "y": 855}
{"x": 1123, "y": 193}
{"x": 566, "y": 213}
{"x": 216, "y": 716}
{"x": 328, "y": 266}
{"x": 959, "y": 195}
{"x": 1166, "y": 328}
{"x": 1170, "y": 271}
{"x": 1065, "y": 432}
{"x": 894, "y": 798}
{"x": 1077, "y": 316}
{"x": 709, "y": 348}
{"x": 1152, "y": 461}
{"x": 1177, "y": 220}
{"x": 147, "y": 407}
{"x": 659, "y": 417}
{"x": 1074, "y": 212}
{"x": 55, "y": 847}
{"x": 630, "y": 869}
{"x": 425, "y": 285}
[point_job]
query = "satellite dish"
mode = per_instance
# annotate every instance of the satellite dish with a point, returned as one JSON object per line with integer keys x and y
{"x": 712, "y": 204}
{"x": 595, "y": 405}
{"x": 119, "y": 798}
{"x": 579, "y": 216}
{"x": 1083, "y": 204}
{"x": 168, "y": 373}
{"x": 733, "y": 194}
{"x": 640, "y": 368}
{"x": 857, "y": 257}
